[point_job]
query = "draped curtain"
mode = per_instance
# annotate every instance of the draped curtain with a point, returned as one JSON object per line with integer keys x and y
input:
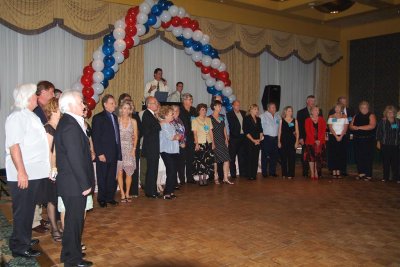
{"x": 55, "y": 55}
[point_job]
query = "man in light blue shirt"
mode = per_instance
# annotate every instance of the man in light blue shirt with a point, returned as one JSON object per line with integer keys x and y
{"x": 269, "y": 146}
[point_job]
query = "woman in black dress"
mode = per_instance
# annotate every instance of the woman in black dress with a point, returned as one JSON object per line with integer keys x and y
{"x": 254, "y": 135}
{"x": 363, "y": 127}
{"x": 288, "y": 141}
{"x": 221, "y": 150}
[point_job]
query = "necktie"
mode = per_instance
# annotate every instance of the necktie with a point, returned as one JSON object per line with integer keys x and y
{"x": 158, "y": 86}
{"x": 115, "y": 128}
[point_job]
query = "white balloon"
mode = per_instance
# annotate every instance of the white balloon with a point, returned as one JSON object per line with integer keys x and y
{"x": 227, "y": 91}
{"x": 98, "y": 65}
{"x": 119, "y": 57}
{"x": 205, "y": 76}
{"x": 177, "y": 31}
{"x": 141, "y": 29}
{"x": 119, "y": 45}
{"x": 158, "y": 24}
{"x": 219, "y": 85}
{"x": 170, "y": 28}
{"x": 142, "y": 18}
{"x": 206, "y": 61}
{"x": 210, "y": 82}
{"x": 136, "y": 40}
{"x": 119, "y": 33}
{"x": 196, "y": 56}
{"x": 197, "y": 35}
{"x": 165, "y": 16}
{"x": 150, "y": 2}
{"x": 98, "y": 88}
{"x": 205, "y": 39}
{"x": 187, "y": 33}
{"x": 181, "y": 12}
{"x": 215, "y": 63}
{"x": 173, "y": 10}
{"x": 189, "y": 50}
{"x": 232, "y": 98}
{"x": 96, "y": 97}
{"x": 98, "y": 54}
{"x": 115, "y": 67}
{"x": 145, "y": 8}
{"x": 98, "y": 77}
{"x": 120, "y": 24}
{"x": 222, "y": 67}
{"x": 77, "y": 86}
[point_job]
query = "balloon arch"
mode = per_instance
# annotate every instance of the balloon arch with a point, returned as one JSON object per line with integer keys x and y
{"x": 126, "y": 34}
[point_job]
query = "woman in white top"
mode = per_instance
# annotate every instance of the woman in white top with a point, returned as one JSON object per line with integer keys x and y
{"x": 338, "y": 124}
{"x": 27, "y": 164}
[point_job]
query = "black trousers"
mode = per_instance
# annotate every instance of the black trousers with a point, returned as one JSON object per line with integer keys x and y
{"x": 390, "y": 157}
{"x": 136, "y": 174}
{"x": 23, "y": 207}
{"x": 181, "y": 166}
{"x": 189, "y": 156}
{"x": 71, "y": 252}
{"x": 364, "y": 149}
{"x": 106, "y": 182}
{"x": 170, "y": 161}
{"x": 304, "y": 163}
{"x": 237, "y": 148}
{"x": 253, "y": 152}
{"x": 151, "y": 175}
{"x": 269, "y": 155}
{"x": 288, "y": 160}
{"x": 337, "y": 153}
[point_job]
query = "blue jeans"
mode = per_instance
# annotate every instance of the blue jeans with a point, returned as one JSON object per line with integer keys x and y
{"x": 269, "y": 155}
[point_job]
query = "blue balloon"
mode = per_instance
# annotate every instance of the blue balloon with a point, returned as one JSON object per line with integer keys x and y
{"x": 197, "y": 46}
{"x": 108, "y": 50}
{"x": 156, "y": 10}
{"x": 105, "y": 83}
{"x": 108, "y": 73}
{"x": 213, "y": 54}
{"x": 187, "y": 42}
{"x": 180, "y": 38}
{"x": 152, "y": 20}
{"x": 109, "y": 61}
{"x": 147, "y": 27}
{"x": 211, "y": 90}
{"x": 164, "y": 5}
{"x": 218, "y": 92}
{"x": 108, "y": 39}
{"x": 169, "y": 4}
{"x": 225, "y": 101}
{"x": 206, "y": 49}
{"x": 229, "y": 108}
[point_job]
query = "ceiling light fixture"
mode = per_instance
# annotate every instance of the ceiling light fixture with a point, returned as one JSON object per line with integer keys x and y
{"x": 334, "y": 7}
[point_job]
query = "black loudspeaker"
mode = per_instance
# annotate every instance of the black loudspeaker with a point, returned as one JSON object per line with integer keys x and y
{"x": 272, "y": 93}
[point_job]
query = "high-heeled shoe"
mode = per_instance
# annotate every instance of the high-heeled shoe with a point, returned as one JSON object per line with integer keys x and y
{"x": 216, "y": 181}
{"x": 227, "y": 182}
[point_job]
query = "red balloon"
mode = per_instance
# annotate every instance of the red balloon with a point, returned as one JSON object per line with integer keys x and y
{"x": 130, "y": 30}
{"x": 88, "y": 70}
{"x": 130, "y": 20}
{"x": 185, "y": 22}
{"x": 165, "y": 25}
{"x": 89, "y": 114}
{"x": 223, "y": 75}
{"x": 133, "y": 11}
{"x": 125, "y": 53}
{"x": 205, "y": 69}
{"x": 194, "y": 25}
{"x": 129, "y": 42}
{"x": 214, "y": 73}
{"x": 91, "y": 104}
{"x": 87, "y": 80}
{"x": 227, "y": 83}
{"x": 87, "y": 92}
{"x": 176, "y": 21}
{"x": 198, "y": 64}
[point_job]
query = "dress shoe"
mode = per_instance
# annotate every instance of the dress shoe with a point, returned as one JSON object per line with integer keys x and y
{"x": 83, "y": 263}
{"x": 152, "y": 196}
{"x": 102, "y": 204}
{"x": 34, "y": 242}
{"x": 27, "y": 254}
{"x": 274, "y": 175}
{"x": 113, "y": 202}
{"x": 44, "y": 223}
{"x": 40, "y": 229}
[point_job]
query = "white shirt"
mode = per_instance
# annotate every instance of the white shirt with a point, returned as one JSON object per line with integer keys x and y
{"x": 270, "y": 124}
{"x": 240, "y": 118}
{"x": 24, "y": 128}
{"x": 162, "y": 88}
{"x": 338, "y": 124}
{"x": 79, "y": 119}
{"x": 174, "y": 97}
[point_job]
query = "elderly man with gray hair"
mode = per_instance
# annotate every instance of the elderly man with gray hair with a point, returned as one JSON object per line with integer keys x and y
{"x": 27, "y": 164}
{"x": 75, "y": 174}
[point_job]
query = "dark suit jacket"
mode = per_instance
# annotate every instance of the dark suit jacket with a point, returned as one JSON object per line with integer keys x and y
{"x": 104, "y": 137}
{"x": 186, "y": 117}
{"x": 302, "y": 115}
{"x": 234, "y": 123}
{"x": 151, "y": 135}
{"x": 251, "y": 127}
{"x": 139, "y": 125}
{"x": 74, "y": 163}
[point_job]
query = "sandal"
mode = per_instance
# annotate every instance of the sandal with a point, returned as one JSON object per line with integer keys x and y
{"x": 129, "y": 199}
{"x": 124, "y": 200}
{"x": 216, "y": 181}
{"x": 227, "y": 182}
{"x": 56, "y": 235}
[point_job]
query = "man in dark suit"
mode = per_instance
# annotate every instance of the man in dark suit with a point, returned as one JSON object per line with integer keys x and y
{"x": 302, "y": 115}
{"x": 151, "y": 145}
{"x": 75, "y": 175}
{"x": 236, "y": 139}
{"x": 107, "y": 145}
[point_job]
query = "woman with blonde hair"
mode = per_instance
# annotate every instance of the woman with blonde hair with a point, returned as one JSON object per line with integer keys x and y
{"x": 254, "y": 135}
{"x": 388, "y": 137}
{"x": 288, "y": 141}
{"x": 363, "y": 127}
{"x": 128, "y": 134}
